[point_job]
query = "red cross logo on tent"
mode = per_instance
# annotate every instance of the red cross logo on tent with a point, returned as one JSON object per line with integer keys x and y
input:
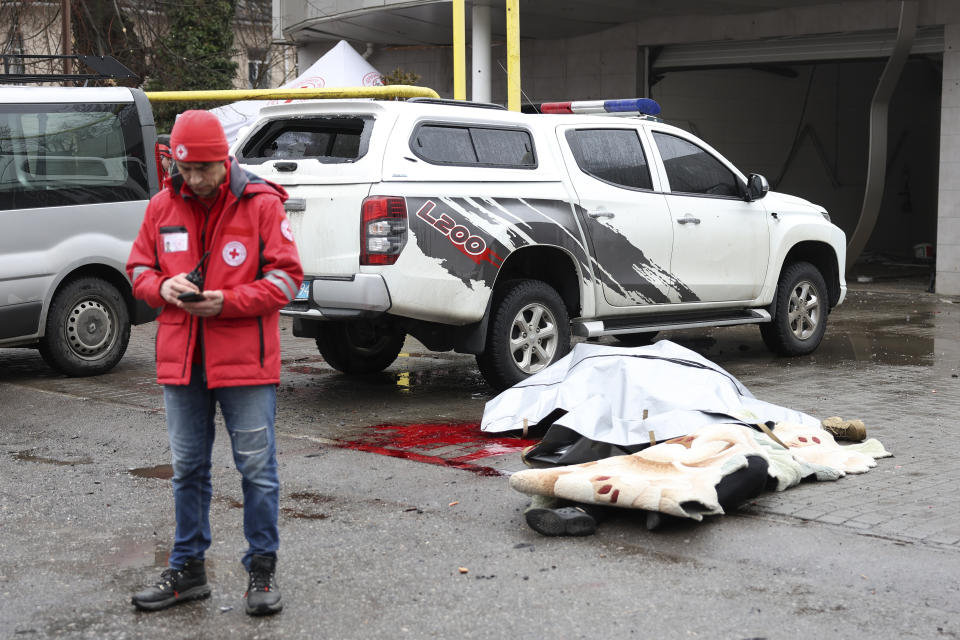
{"x": 234, "y": 253}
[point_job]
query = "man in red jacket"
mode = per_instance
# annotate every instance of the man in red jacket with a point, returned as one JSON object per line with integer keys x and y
{"x": 218, "y": 342}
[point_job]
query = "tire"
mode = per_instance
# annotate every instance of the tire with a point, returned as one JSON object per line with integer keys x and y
{"x": 88, "y": 328}
{"x": 636, "y": 339}
{"x": 529, "y": 331}
{"x": 800, "y": 315}
{"x": 359, "y": 347}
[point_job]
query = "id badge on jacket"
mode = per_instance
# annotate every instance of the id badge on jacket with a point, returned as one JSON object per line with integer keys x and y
{"x": 174, "y": 239}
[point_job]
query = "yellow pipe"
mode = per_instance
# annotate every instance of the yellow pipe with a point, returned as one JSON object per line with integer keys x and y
{"x": 513, "y": 55}
{"x": 232, "y": 95}
{"x": 459, "y": 52}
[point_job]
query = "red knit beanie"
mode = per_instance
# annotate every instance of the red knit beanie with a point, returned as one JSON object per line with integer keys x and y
{"x": 197, "y": 136}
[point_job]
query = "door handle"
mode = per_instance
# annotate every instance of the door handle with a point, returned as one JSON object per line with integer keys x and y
{"x": 600, "y": 214}
{"x": 688, "y": 219}
{"x": 295, "y": 204}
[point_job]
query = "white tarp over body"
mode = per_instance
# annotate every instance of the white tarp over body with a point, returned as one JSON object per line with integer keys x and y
{"x": 605, "y": 390}
{"x": 342, "y": 66}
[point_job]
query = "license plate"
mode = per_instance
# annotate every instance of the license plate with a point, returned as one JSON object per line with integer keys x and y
{"x": 304, "y": 293}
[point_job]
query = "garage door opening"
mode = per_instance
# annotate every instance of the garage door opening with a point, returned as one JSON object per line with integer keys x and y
{"x": 805, "y": 126}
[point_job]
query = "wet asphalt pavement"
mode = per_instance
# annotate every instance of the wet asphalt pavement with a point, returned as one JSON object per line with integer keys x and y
{"x": 397, "y": 520}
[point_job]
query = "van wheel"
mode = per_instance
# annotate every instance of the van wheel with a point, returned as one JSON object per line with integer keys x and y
{"x": 88, "y": 328}
{"x": 800, "y": 316}
{"x": 359, "y": 347}
{"x": 529, "y": 331}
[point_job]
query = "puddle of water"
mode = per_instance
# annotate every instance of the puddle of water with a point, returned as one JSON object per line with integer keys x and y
{"x": 308, "y": 369}
{"x": 131, "y": 553}
{"x": 287, "y": 361}
{"x": 455, "y": 445}
{"x": 26, "y": 456}
{"x": 911, "y": 345}
{"x": 460, "y": 378}
{"x": 160, "y": 471}
{"x": 880, "y": 348}
{"x": 401, "y": 382}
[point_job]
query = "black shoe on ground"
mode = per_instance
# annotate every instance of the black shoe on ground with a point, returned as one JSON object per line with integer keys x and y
{"x": 175, "y": 586}
{"x": 565, "y": 521}
{"x": 263, "y": 592}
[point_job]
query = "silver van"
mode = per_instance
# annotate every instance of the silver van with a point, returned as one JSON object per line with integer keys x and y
{"x": 77, "y": 167}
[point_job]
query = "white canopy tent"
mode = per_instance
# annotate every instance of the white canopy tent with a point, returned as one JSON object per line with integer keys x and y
{"x": 342, "y": 66}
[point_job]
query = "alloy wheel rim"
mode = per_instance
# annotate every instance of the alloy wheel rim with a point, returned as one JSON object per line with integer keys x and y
{"x": 804, "y": 312}
{"x": 533, "y": 338}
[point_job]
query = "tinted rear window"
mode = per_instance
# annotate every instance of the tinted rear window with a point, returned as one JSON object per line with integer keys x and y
{"x": 612, "y": 155}
{"x": 474, "y": 145}
{"x": 332, "y": 140}
{"x": 70, "y": 154}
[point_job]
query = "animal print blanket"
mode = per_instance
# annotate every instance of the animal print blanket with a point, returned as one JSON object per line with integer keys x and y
{"x": 679, "y": 477}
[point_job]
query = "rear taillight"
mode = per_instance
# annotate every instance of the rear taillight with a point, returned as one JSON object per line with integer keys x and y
{"x": 383, "y": 229}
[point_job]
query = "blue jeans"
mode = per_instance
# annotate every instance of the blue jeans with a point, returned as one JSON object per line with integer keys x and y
{"x": 249, "y": 415}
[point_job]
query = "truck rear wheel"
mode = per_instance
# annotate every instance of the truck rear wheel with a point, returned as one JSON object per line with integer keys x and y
{"x": 88, "y": 328}
{"x": 529, "y": 331}
{"x": 800, "y": 316}
{"x": 360, "y": 346}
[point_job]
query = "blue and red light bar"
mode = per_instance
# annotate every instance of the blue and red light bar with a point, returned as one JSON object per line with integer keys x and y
{"x": 643, "y": 106}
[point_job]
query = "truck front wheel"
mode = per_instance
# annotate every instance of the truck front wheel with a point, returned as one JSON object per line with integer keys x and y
{"x": 800, "y": 314}
{"x": 359, "y": 347}
{"x": 529, "y": 330}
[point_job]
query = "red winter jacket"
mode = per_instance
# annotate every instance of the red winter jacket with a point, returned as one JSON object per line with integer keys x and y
{"x": 252, "y": 259}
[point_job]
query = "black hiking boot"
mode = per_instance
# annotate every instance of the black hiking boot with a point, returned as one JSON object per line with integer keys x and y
{"x": 563, "y": 521}
{"x": 175, "y": 586}
{"x": 263, "y": 592}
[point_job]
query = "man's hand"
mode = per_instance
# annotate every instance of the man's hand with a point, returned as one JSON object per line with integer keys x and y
{"x": 171, "y": 288}
{"x": 211, "y": 305}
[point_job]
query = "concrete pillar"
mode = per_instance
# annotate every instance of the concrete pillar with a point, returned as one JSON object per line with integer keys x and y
{"x": 481, "y": 77}
{"x": 948, "y": 200}
{"x": 276, "y": 29}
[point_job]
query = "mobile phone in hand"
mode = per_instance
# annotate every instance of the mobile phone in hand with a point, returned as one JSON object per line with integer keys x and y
{"x": 190, "y": 296}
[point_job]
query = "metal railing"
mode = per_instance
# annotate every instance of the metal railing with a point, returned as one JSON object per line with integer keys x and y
{"x": 233, "y": 95}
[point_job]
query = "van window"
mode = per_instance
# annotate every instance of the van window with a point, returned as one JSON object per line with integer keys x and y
{"x": 329, "y": 140}
{"x": 691, "y": 169}
{"x": 474, "y": 145}
{"x": 70, "y": 154}
{"x": 612, "y": 155}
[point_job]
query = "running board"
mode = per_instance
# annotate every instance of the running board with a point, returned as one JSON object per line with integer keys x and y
{"x": 596, "y": 328}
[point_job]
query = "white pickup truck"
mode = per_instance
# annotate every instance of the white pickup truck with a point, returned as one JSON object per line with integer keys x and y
{"x": 499, "y": 233}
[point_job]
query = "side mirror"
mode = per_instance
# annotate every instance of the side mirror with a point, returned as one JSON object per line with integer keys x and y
{"x": 757, "y": 187}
